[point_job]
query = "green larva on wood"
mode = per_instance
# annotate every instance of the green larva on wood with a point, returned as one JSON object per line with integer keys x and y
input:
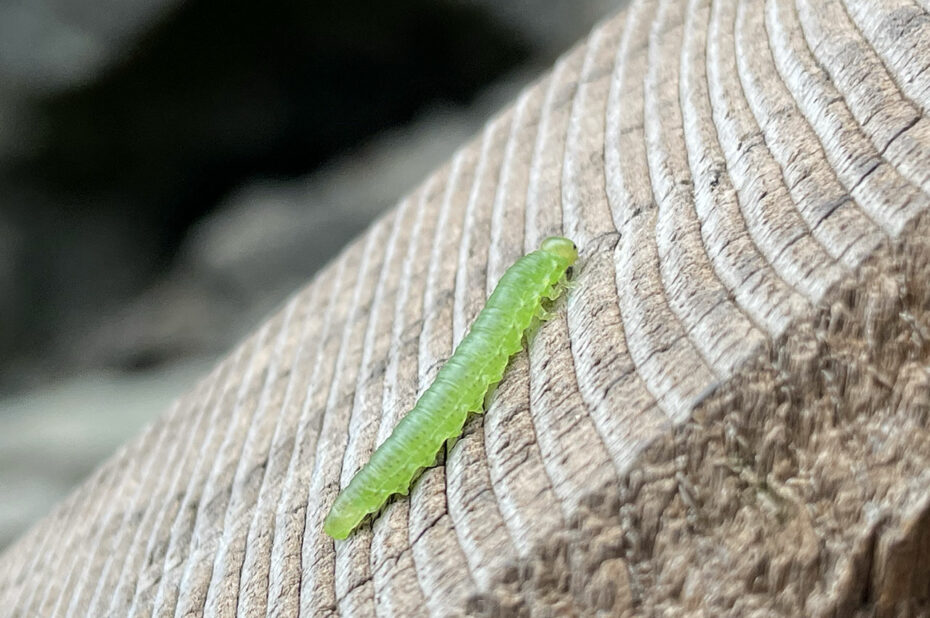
{"x": 477, "y": 364}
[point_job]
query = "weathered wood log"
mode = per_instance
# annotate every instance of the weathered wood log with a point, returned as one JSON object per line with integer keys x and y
{"x": 728, "y": 415}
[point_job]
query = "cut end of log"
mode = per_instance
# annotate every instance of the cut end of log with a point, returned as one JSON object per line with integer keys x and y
{"x": 727, "y": 415}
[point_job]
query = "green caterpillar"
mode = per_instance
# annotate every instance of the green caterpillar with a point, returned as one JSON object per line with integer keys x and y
{"x": 477, "y": 364}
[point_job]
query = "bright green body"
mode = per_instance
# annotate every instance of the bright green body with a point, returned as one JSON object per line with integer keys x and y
{"x": 460, "y": 387}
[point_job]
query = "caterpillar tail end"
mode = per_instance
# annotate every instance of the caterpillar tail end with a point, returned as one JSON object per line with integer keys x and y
{"x": 340, "y": 525}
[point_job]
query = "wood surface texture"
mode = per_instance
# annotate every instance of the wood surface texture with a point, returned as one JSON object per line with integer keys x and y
{"x": 729, "y": 413}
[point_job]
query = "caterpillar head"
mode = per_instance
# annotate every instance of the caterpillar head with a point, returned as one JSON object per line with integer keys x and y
{"x": 562, "y": 248}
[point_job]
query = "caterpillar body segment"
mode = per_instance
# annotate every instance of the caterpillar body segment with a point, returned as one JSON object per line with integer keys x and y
{"x": 460, "y": 386}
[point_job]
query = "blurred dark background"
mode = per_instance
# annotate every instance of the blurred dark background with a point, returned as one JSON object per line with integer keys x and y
{"x": 171, "y": 170}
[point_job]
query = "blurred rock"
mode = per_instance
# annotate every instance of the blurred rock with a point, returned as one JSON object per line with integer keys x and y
{"x": 50, "y": 45}
{"x": 52, "y": 439}
{"x": 268, "y": 239}
{"x": 551, "y": 26}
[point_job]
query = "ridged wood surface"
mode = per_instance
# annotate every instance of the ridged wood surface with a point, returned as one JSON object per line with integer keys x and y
{"x": 728, "y": 412}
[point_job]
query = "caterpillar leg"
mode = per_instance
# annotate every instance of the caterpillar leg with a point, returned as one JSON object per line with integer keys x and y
{"x": 567, "y": 282}
{"x": 545, "y": 315}
{"x": 557, "y": 290}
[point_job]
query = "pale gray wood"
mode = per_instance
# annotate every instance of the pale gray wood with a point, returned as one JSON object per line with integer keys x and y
{"x": 727, "y": 415}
